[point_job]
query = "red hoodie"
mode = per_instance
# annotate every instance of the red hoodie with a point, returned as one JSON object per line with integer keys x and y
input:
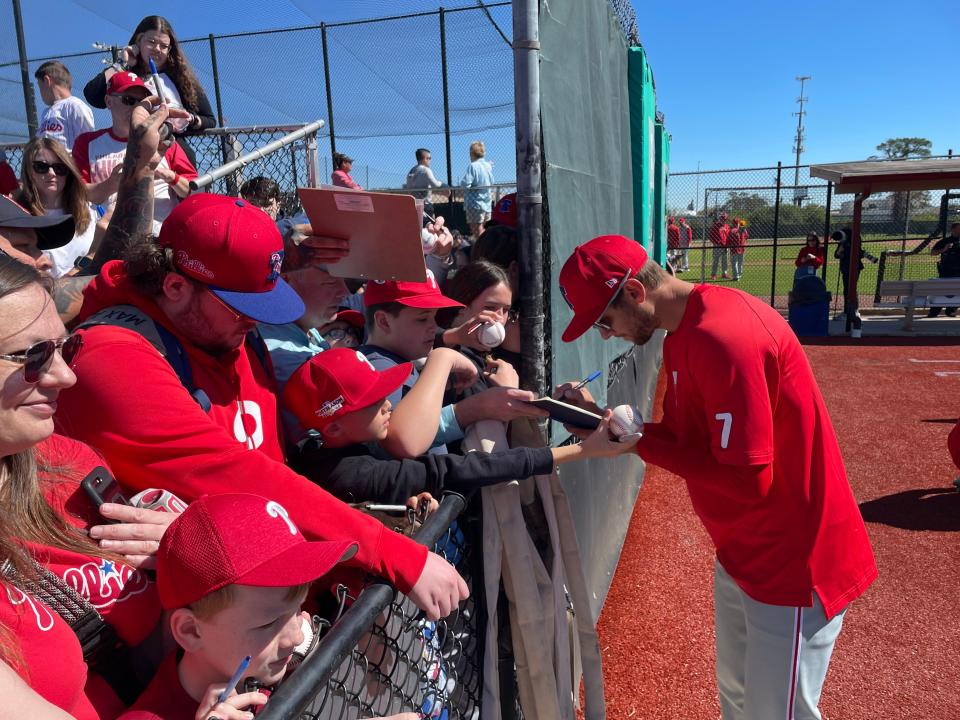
{"x": 130, "y": 405}
{"x": 718, "y": 233}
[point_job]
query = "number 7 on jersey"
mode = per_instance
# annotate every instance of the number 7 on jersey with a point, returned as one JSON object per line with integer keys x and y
{"x": 727, "y": 420}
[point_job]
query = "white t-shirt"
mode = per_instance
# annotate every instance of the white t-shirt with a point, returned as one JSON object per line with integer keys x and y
{"x": 66, "y": 119}
{"x": 63, "y": 257}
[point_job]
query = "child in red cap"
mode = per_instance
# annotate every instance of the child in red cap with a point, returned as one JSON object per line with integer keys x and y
{"x": 340, "y": 395}
{"x": 233, "y": 570}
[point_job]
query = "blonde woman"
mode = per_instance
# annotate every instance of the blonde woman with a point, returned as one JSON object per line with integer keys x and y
{"x": 477, "y": 203}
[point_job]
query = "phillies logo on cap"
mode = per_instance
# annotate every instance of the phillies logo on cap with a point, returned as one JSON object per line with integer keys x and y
{"x": 276, "y": 261}
{"x": 189, "y": 263}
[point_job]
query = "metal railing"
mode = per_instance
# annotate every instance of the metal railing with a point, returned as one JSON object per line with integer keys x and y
{"x": 382, "y": 657}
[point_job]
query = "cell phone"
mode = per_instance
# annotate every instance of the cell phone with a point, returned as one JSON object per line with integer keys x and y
{"x": 101, "y": 487}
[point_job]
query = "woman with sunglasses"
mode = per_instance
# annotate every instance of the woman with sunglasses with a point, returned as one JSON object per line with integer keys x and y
{"x": 47, "y": 525}
{"x": 154, "y": 39}
{"x": 51, "y": 185}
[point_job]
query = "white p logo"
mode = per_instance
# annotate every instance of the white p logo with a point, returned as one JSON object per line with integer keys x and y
{"x": 276, "y": 510}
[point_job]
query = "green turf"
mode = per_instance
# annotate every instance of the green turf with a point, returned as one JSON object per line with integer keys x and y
{"x": 758, "y": 268}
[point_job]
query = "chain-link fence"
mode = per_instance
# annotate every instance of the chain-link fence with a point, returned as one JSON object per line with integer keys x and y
{"x": 779, "y": 206}
{"x": 382, "y": 656}
{"x": 386, "y": 87}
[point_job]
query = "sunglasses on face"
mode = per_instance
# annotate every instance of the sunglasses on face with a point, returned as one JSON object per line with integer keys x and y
{"x": 599, "y": 324}
{"x": 342, "y": 335}
{"x": 128, "y": 100}
{"x": 42, "y": 168}
{"x": 37, "y": 357}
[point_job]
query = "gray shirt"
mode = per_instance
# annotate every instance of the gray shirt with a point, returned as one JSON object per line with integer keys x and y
{"x": 419, "y": 177}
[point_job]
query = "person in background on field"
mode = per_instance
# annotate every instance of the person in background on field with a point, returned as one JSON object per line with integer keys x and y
{"x": 478, "y": 203}
{"x": 949, "y": 265}
{"x": 66, "y": 116}
{"x": 843, "y": 239}
{"x": 52, "y": 186}
{"x": 673, "y": 245}
{"x": 686, "y": 240}
{"x": 737, "y": 245}
{"x": 342, "y": 165}
{"x": 421, "y": 179}
{"x": 810, "y": 256}
{"x": 718, "y": 238}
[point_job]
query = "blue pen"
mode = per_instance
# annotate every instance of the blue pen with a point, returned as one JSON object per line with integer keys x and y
{"x": 235, "y": 678}
{"x": 156, "y": 81}
{"x": 588, "y": 379}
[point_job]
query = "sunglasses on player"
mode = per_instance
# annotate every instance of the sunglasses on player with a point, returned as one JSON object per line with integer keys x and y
{"x": 42, "y": 168}
{"x": 599, "y": 324}
{"x": 37, "y": 357}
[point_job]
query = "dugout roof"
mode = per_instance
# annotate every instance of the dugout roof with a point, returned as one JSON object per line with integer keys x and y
{"x": 890, "y": 175}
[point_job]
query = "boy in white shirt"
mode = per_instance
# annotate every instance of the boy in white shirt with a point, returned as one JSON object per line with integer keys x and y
{"x": 66, "y": 116}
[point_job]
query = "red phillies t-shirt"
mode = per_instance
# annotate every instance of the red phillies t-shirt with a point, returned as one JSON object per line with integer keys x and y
{"x": 164, "y": 698}
{"x": 739, "y": 384}
{"x": 673, "y": 237}
{"x": 51, "y": 660}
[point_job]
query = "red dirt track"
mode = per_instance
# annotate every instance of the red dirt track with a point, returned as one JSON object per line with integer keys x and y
{"x": 899, "y": 653}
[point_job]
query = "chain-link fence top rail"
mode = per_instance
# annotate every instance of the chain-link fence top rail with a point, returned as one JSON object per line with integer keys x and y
{"x": 777, "y": 222}
{"x": 381, "y": 657}
{"x": 386, "y": 87}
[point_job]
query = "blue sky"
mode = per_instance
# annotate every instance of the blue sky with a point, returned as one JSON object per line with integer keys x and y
{"x": 725, "y": 79}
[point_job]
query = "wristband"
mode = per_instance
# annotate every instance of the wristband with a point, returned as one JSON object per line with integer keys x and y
{"x": 176, "y": 179}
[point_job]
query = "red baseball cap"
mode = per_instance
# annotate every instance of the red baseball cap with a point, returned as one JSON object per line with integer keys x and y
{"x": 412, "y": 294}
{"x": 593, "y": 275}
{"x": 505, "y": 211}
{"x": 121, "y": 82}
{"x": 8, "y": 179}
{"x": 336, "y": 382}
{"x": 238, "y": 539}
{"x": 235, "y": 249}
{"x": 351, "y": 317}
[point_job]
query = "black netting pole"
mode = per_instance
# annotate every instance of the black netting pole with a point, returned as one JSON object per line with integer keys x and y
{"x": 826, "y": 230}
{"x": 326, "y": 79}
{"x": 446, "y": 108}
{"x": 216, "y": 80}
{"x": 29, "y": 103}
{"x": 776, "y": 235}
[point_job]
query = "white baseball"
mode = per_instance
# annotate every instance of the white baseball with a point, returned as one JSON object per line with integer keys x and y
{"x": 626, "y": 423}
{"x": 491, "y": 335}
{"x": 428, "y": 240}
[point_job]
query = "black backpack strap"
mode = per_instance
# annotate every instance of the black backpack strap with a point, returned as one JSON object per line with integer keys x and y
{"x": 165, "y": 342}
{"x": 103, "y": 651}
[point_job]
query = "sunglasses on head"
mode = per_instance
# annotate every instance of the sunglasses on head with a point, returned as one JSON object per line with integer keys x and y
{"x": 38, "y": 356}
{"x": 42, "y": 168}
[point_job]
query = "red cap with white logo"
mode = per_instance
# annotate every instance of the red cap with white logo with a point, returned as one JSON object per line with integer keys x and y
{"x": 236, "y": 249}
{"x": 412, "y": 294}
{"x": 593, "y": 275}
{"x": 238, "y": 539}
{"x": 121, "y": 82}
{"x": 336, "y": 382}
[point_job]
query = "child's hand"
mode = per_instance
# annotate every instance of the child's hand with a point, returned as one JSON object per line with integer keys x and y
{"x": 233, "y": 708}
{"x": 423, "y": 499}
{"x": 500, "y": 373}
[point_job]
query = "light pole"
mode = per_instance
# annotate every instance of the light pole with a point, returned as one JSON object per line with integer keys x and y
{"x": 798, "y": 147}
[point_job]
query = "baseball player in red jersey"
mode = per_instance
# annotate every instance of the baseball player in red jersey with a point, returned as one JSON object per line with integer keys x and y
{"x": 686, "y": 240}
{"x": 718, "y": 238}
{"x": 745, "y": 426}
{"x": 673, "y": 244}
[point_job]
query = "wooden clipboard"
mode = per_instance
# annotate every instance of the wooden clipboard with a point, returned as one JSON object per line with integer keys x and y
{"x": 383, "y": 230}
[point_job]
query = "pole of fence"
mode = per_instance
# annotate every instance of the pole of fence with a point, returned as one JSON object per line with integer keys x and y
{"x": 216, "y": 79}
{"x": 534, "y": 293}
{"x": 446, "y": 107}
{"x": 826, "y": 232}
{"x": 29, "y": 103}
{"x": 313, "y": 167}
{"x": 244, "y": 160}
{"x": 776, "y": 236}
{"x": 293, "y": 165}
{"x": 903, "y": 238}
{"x": 703, "y": 237}
{"x": 326, "y": 80}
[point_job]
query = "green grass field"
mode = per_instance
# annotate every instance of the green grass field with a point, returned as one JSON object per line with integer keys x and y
{"x": 758, "y": 268}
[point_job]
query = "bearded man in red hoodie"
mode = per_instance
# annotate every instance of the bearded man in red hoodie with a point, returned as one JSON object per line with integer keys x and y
{"x": 174, "y": 393}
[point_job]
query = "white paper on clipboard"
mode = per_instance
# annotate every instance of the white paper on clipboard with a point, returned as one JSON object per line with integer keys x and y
{"x": 383, "y": 231}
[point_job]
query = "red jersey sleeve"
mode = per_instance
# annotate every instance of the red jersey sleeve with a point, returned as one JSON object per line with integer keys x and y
{"x": 141, "y": 418}
{"x": 735, "y": 382}
{"x": 81, "y": 155}
{"x": 179, "y": 162}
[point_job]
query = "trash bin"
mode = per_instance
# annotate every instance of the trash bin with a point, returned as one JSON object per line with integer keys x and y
{"x": 808, "y": 308}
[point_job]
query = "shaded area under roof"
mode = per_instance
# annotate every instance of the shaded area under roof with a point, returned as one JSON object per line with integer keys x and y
{"x": 890, "y": 175}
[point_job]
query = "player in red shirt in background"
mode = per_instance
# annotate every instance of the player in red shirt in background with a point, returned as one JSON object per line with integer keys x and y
{"x": 737, "y": 244}
{"x": 673, "y": 244}
{"x": 686, "y": 240}
{"x": 745, "y": 425}
{"x": 718, "y": 238}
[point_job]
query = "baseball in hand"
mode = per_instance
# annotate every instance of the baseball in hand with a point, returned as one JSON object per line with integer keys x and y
{"x": 428, "y": 241}
{"x": 626, "y": 423}
{"x": 491, "y": 335}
